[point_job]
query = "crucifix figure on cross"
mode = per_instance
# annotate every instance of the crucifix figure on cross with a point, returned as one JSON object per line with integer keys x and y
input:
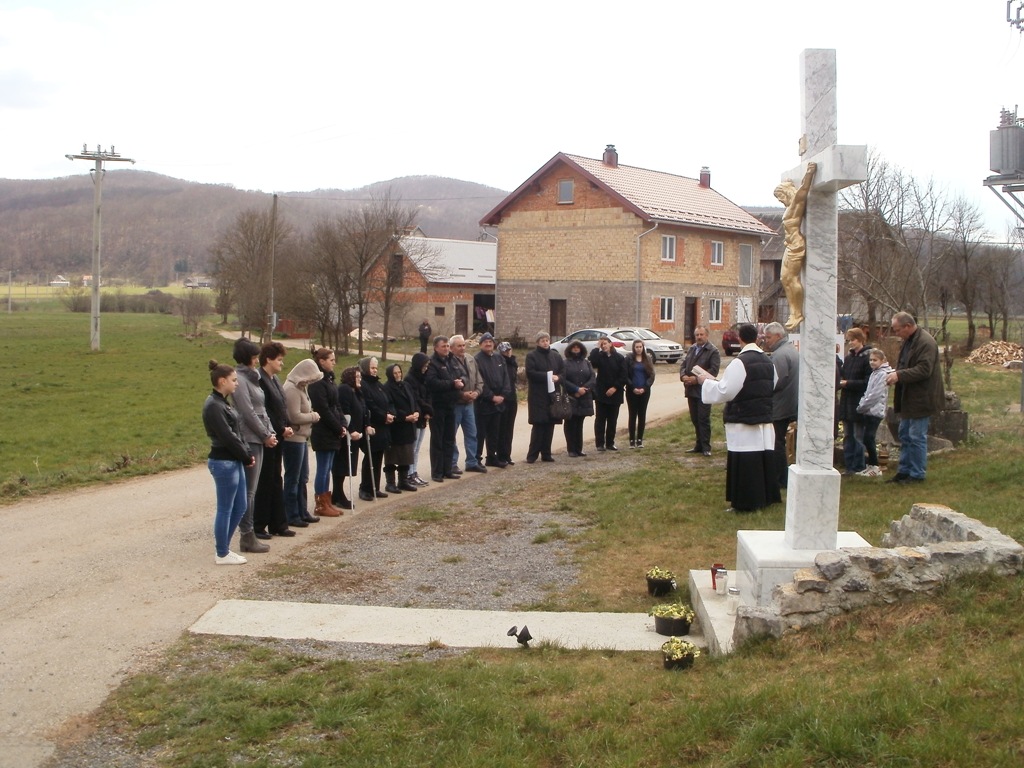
{"x": 795, "y": 200}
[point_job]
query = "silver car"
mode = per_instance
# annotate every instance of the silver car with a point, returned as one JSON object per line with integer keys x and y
{"x": 589, "y": 337}
{"x": 661, "y": 349}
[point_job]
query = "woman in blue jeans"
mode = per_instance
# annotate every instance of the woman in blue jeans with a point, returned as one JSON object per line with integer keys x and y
{"x": 228, "y": 459}
{"x": 640, "y": 369}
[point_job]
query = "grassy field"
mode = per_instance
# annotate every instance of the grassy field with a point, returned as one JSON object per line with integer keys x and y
{"x": 74, "y": 416}
{"x": 933, "y": 682}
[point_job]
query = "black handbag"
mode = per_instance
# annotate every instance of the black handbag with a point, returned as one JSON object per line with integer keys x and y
{"x": 561, "y": 405}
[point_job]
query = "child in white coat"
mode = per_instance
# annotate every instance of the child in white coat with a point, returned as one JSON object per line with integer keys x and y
{"x": 872, "y": 406}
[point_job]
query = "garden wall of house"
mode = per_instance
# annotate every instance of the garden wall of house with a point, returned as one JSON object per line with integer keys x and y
{"x": 920, "y": 552}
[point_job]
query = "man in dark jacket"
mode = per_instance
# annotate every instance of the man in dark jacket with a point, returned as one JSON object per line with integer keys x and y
{"x": 491, "y": 402}
{"x": 612, "y": 373}
{"x": 425, "y": 330}
{"x": 704, "y": 354}
{"x": 785, "y": 400}
{"x": 444, "y": 388}
{"x": 918, "y": 396}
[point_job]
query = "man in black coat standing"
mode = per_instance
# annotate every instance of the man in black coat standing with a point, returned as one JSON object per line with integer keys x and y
{"x": 491, "y": 403}
{"x": 704, "y": 354}
{"x": 612, "y": 373}
{"x": 444, "y": 388}
{"x": 424, "y": 330}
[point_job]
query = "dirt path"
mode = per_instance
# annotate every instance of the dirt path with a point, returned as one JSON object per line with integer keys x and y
{"x": 95, "y": 582}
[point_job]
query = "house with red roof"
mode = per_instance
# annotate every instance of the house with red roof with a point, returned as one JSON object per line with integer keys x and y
{"x": 586, "y": 242}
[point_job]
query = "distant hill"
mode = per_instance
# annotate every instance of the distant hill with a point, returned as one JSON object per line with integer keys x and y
{"x": 152, "y": 222}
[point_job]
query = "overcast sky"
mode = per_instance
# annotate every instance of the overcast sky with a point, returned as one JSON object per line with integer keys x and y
{"x": 304, "y": 95}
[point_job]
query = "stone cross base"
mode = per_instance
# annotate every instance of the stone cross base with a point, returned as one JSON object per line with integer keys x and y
{"x": 763, "y": 560}
{"x": 812, "y": 507}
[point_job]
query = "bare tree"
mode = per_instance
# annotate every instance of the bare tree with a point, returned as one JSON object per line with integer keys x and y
{"x": 192, "y": 307}
{"x": 367, "y": 235}
{"x": 331, "y": 282}
{"x": 242, "y": 263}
{"x": 962, "y": 262}
{"x": 391, "y": 294}
{"x": 1000, "y": 281}
{"x": 889, "y": 240}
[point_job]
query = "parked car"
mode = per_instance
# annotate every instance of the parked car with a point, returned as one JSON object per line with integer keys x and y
{"x": 662, "y": 350}
{"x": 731, "y": 343}
{"x": 589, "y": 337}
{"x": 60, "y": 282}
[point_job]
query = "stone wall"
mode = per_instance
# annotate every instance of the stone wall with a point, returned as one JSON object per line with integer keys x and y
{"x": 926, "y": 548}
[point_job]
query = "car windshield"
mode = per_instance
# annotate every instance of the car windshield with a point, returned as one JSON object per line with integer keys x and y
{"x": 647, "y": 333}
{"x": 627, "y": 335}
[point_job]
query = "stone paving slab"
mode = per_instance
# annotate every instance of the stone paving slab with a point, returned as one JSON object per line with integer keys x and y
{"x": 419, "y": 626}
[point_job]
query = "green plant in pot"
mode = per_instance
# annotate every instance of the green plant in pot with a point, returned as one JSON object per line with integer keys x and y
{"x": 672, "y": 619}
{"x": 678, "y": 653}
{"x": 660, "y": 581}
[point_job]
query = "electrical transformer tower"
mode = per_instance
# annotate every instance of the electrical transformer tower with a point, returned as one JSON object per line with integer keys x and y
{"x": 99, "y": 156}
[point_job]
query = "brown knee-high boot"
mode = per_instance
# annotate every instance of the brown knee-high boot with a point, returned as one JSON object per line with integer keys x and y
{"x": 324, "y": 508}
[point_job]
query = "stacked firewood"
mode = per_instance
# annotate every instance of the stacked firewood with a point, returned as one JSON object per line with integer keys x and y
{"x": 996, "y": 353}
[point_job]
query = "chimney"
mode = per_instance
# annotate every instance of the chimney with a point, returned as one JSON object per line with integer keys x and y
{"x": 610, "y": 157}
{"x": 705, "y": 177}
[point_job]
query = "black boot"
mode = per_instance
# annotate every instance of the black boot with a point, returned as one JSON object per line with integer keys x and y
{"x": 403, "y": 480}
{"x": 389, "y": 476}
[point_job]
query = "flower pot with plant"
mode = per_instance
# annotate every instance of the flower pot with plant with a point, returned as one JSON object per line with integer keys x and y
{"x": 660, "y": 581}
{"x": 672, "y": 619}
{"x": 678, "y": 653}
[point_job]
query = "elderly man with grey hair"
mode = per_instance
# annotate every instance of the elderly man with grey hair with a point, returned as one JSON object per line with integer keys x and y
{"x": 785, "y": 399}
{"x": 465, "y": 409}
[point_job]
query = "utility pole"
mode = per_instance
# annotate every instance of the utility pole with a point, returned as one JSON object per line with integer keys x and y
{"x": 271, "y": 319}
{"x": 97, "y": 181}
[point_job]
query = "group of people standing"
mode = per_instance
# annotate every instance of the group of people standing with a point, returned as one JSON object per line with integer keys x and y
{"x": 760, "y": 391}
{"x": 265, "y": 428}
{"x": 595, "y": 385}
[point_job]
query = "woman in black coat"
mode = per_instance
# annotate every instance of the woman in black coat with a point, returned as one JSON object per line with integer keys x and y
{"x": 579, "y": 381}
{"x": 378, "y": 432}
{"x": 328, "y": 433}
{"x": 417, "y": 383}
{"x": 398, "y": 456}
{"x": 269, "y": 515}
{"x": 853, "y": 381}
{"x": 350, "y": 396}
{"x": 543, "y": 367}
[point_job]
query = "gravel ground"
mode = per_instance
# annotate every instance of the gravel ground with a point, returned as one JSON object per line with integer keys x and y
{"x": 482, "y": 543}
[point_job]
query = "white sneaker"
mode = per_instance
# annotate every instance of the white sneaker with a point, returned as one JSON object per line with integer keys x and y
{"x": 230, "y": 559}
{"x": 870, "y": 471}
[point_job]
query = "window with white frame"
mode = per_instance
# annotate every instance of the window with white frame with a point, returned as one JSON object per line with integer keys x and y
{"x": 714, "y": 310}
{"x": 746, "y": 264}
{"x": 717, "y": 253}
{"x": 668, "y": 247}
{"x": 565, "y": 190}
{"x": 668, "y": 309}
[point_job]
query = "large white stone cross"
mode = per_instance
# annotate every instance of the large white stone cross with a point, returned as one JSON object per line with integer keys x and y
{"x": 812, "y": 499}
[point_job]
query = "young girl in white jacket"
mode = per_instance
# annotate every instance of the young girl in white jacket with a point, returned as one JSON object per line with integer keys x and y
{"x": 872, "y": 406}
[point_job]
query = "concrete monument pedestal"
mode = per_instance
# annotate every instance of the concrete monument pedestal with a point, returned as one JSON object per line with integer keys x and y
{"x": 764, "y": 560}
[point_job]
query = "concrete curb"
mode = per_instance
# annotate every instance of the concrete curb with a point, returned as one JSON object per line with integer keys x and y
{"x": 419, "y": 626}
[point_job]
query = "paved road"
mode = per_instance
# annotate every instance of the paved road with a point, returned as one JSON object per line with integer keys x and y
{"x": 96, "y": 582}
